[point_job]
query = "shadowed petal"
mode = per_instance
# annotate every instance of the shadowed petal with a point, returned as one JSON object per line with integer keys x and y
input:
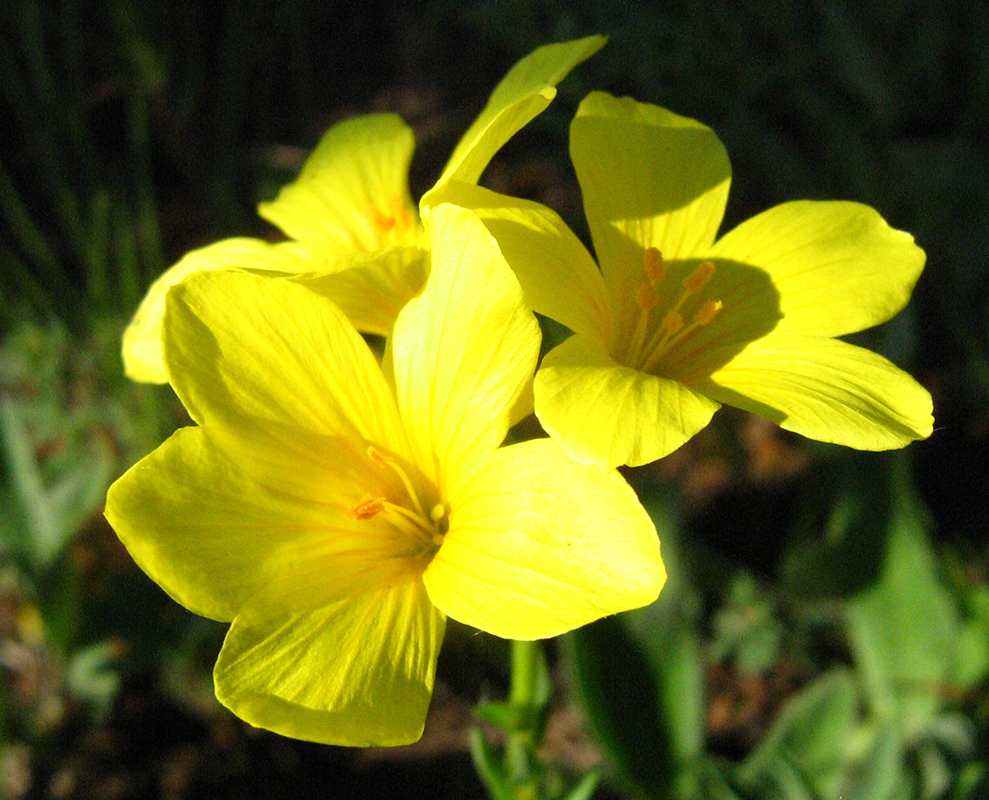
{"x": 650, "y": 178}
{"x": 837, "y": 266}
{"x": 606, "y": 414}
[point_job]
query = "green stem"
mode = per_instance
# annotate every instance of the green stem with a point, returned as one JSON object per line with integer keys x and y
{"x": 521, "y": 746}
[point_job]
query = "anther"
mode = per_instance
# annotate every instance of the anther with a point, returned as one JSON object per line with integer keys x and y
{"x": 652, "y": 263}
{"x": 646, "y": 297}
{"x": 368, "y": 507}
{"x": 672, "y": 323}
{"x": 697, "y": 279}
{"x": 707, "y": 312}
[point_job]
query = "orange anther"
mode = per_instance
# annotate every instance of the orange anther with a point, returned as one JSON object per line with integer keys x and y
{"x": 672, "y": 323}
{"x": 699, "y": 277}
{"x": 367, "y": 508}
{"x": 652, "y": 263}
{"x": 646, "y": 297}
{"x": 708, "y": 311}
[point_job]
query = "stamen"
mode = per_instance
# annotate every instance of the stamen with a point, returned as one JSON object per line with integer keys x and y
{"x": 369, "y": 507}
{"x": 672, "y": 323}
{"x": 646, "y": 298}
{"x": 383, "y": 460}
{"x": 652, "y": 263}
{"x": 697, "y": 279}
{"x": 674, "y": 327}
{"x": 707, "y": 312}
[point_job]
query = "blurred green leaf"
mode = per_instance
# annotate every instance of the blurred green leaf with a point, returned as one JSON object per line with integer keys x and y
{"x": 881, "y": 775}
{"x": 807, "y": 746}
{"x": 640, "y": 679}
{"x": 903, "y": 629}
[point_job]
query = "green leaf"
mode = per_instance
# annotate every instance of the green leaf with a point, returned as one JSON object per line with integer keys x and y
{"x": 880, "y": 776}
{"x": 904, "y": 628}
{"x": 807, "y": 745}
{"x": 639, "y": 677}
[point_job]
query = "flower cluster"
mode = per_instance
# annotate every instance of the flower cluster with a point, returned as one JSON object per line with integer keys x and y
{"x": 336, "y": 507}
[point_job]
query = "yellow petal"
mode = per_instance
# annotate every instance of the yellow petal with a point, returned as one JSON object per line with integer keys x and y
{"x": 521, "y": 95}
{"x": 464, "y": 350}
{"x": 558, "y": 276}
{"x": 650, "y": 178}
{"x": 371, "y": 288}
{"x": 606, "y": 414}
{"x": 357, "y": 671}
{"x": 539, "y": 545}
{"x": 212, "y": 537}
{"x": 240, "y": 346}
{"x": 352, "y": 194}
{"x": 142, "y": 338}
{"x": 827, "y": 390}
{"x": 838, "y": 267}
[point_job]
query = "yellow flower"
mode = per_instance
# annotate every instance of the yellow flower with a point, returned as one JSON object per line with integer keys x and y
{"x": 351, "y": 201}
{"x": 676, "y": 322}
{"x": 337, "y": 514}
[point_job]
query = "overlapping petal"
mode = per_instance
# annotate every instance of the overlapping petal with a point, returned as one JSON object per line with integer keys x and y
{"x": 539, "y": 545}
{"x": 607, "y": 414}
{"x": 371, "y": 288}
{"x": 352, "y": 194}
{"x": 354, "y": 670}
{"x": 520, "y": 96}
{"x": 650, "y": 178}
{"x": 464, "y": 350}
{"x": 837, "y": 267}
{"x": 825, "y": 389}
{"x": 558, "y": 276}
{"x": 142, "y": 338}
{"x": 212, "y": 536}
{"x": 242, "y": 347}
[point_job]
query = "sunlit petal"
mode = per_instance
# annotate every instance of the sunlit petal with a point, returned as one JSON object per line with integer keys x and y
{"x": 558, "y": 276}
{"x": 142, "y": 338}
{"x": 239, "y": 345}
{"x": 355, "y": 671}
{"x": 539, "y": 545}
{"x": 464, "y": 350}
{"x": 825, "y": 389}
{"x": 522, "y": 94}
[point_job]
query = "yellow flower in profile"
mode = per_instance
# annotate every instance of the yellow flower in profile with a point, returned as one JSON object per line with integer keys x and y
{"x": 351, "y": 201}
{"x": 336, "y": 514}
{"x": 676, "y": 321}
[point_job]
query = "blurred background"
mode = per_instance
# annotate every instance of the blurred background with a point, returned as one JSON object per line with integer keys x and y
{"x": 825, "y": 631}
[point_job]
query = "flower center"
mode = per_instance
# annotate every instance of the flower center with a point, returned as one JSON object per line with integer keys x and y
{"x": 424, "y": 530}
{"x": 650, "y": 343}
{"x": 394, "y": 219}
